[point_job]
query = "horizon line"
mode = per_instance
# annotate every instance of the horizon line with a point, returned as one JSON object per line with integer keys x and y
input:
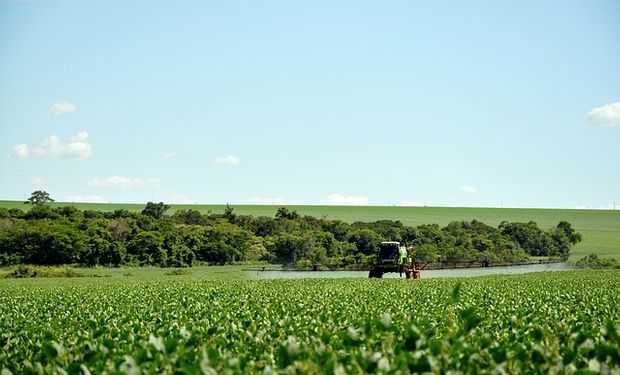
{"x": 333, "y": 205}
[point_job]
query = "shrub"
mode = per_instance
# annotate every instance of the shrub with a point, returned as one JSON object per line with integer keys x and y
{"x": 28, "y": 271}
{"x": 178, "y": 272}
{"x": 593, "y": 261}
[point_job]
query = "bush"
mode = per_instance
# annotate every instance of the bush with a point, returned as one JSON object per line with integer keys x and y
{"x": 178, "y": 272}
{"x": 146, "y": 249}
{"x": 217, "y": 253}
{"x": 537, "y": 242}
{"x": 593, "y": 261}
{"x": 10, "y": 259}
{"x": 44, "y": 242}
{"x": 289, "y": 248}
{"x": 366, "y": 240}
{"x": 27, "y": 272}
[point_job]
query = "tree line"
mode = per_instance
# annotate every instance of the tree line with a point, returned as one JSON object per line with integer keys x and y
{"x": 67, "y": 235}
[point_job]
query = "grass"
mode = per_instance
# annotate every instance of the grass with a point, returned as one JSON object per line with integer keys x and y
{"x": 600, "y": 228}
{"x": 124, "y": 274}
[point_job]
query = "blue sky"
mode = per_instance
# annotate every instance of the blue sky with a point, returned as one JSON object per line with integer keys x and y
{"x": 441, "y": 103}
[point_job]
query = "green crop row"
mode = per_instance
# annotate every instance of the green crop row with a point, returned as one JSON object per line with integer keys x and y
{"x": 547, "y": 322}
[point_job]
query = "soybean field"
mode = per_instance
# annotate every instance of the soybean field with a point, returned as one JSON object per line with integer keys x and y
{"x": 557, "y": 322}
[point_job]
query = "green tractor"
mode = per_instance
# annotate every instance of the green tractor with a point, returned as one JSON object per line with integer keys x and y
{"x": 394, "y": 257}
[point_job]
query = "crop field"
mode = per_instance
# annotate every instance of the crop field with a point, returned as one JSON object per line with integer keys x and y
{"x": 600, "y": 228}
{"x": 544, "y": 322}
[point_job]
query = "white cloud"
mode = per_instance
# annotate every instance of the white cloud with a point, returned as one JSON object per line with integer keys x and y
{"x": 36, "y": 180}
{"x": 62, "y": 107}
{"x": 21, "y": 151}
{"x": 227, "y": 160}
{"x": 168, "y": 155}
{"x": 410, "y": 204}
{"x": 468, "y": 189}
{"x": 52, "y": 147}
{"x": 607, "y": 115}
{"x": 86, "y": 199}
{"x": 80, "y": 137}
{"x": 337, "y": 199}
{"x": 268, "y": 201}
{"x": 125, "y": 183}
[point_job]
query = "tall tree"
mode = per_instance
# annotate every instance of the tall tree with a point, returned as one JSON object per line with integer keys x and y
{"x": 229, "y": 214}
{"x": 39, "y": 197}
{"x": 155, "y": 210}
{"x": 284, "y": 213}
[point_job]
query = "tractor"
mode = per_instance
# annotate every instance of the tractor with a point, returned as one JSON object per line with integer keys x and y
{"x": 394, "y": 257}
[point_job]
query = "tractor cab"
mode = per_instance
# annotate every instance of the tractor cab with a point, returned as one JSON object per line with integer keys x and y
{"x": 390, "y": 253}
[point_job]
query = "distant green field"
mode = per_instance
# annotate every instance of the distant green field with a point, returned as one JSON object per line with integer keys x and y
{"x": 600, "y": 228}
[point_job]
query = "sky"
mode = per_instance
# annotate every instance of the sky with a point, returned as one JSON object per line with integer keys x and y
{"x": 438, "y": 103}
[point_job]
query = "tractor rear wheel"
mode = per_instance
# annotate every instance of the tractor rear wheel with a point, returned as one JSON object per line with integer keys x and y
{"x": 375, "y": 274}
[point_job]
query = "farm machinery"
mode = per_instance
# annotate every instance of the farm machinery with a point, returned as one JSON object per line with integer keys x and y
{"x": 394, "y": 257}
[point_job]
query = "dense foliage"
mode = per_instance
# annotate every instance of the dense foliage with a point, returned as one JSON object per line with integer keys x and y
{"x": 593, "y": 261}
{"x": 66, "y": 235}
{"x": 557, "y": 322}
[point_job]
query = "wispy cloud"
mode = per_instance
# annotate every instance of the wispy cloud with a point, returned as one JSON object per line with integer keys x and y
{"x": 169, "y": 155}
{"x": 181, "y": 199}
{"x": 21, "y": 151}
{"x": 53, "y": 147}
{"x": 62, "y": 107}
{"x": 337, "y": 199}
{"x": 38, "y": 181}
{"x": 86, "y": 199}
{"x": 124, "y": 183}
{"x": 227, "y": 160}
{"x": 269, "y": 201}
{"x": 468, "y": 189}
{"x": 607, "y": 115}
